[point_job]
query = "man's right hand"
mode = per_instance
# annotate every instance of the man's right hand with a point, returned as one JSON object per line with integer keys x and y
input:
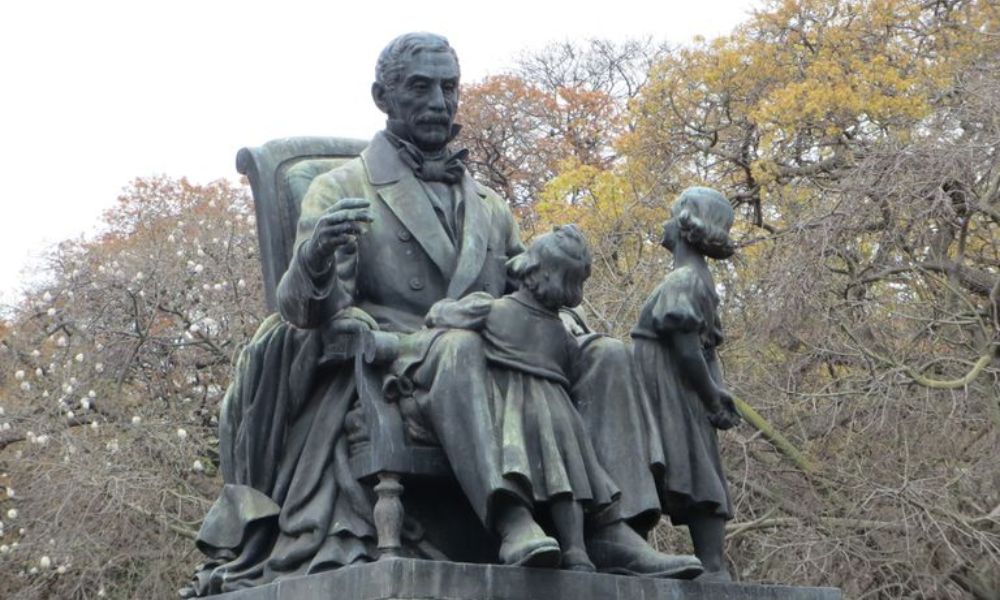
{"x": 337, "y": 228}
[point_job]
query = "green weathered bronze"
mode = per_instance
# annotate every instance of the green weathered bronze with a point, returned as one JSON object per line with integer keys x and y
{"x": 674, "y": 347}
{"x": 386, "y": 375}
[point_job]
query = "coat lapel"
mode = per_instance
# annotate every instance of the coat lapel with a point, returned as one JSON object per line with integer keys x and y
{"x": 406, "y": 198}
{"x": 475, "y": 235}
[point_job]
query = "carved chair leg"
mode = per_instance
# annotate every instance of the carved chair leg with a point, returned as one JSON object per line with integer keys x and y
{"x": 389, "y": 514}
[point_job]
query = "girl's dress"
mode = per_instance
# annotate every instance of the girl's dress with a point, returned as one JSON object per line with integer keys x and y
{"x": 545, "y": 446}
{"x": 693, "y": 477}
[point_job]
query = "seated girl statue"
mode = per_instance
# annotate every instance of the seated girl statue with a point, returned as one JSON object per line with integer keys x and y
{"x": 674, "y": 350}
{"x": 545, "y": 444}
{"x": 546, "y": 451}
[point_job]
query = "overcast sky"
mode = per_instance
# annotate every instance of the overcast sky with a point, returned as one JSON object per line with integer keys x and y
{"x": 95, "y": 93}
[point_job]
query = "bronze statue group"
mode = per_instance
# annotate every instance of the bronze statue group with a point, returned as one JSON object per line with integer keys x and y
{"x": 541, "y": 420}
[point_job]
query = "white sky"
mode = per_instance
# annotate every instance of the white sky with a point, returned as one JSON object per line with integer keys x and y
{"x": 95, "y": 93}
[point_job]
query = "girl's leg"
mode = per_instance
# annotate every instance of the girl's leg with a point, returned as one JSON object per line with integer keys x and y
{"x": 708, "y": 533}
{"x": 567, "y": 517}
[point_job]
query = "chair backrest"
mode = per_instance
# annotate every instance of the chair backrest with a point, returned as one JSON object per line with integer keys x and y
{"x": 280, "y": 172}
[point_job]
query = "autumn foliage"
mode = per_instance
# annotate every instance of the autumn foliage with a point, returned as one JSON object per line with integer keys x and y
{"x": 856, "y": 139}
{"x": 111, "y": 376}
{"x": 858, "y": 142}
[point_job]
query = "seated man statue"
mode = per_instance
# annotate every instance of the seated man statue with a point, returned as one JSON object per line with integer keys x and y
{"x": 381, "y": 240}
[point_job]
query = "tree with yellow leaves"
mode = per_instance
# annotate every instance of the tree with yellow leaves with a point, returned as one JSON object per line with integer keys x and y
{"x": 857, "y": 140}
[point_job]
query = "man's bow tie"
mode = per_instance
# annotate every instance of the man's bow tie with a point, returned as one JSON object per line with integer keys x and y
{"x": 446, "y": 167}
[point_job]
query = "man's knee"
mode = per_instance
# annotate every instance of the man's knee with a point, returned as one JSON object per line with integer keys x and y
{"x": 452, "y": 378}
{"x": 459, "y": 344}
{"x": 456, "y": 351}
{"x": 605, "y": 353}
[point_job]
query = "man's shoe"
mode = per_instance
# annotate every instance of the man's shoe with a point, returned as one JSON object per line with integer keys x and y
{"x": 618, "y": 549}
{"x": 577, "y": 560}
{"x": 720, "y": 576}
{"x": 526, "y": 545}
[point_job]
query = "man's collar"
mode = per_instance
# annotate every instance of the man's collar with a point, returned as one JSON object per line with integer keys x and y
{"x": 382, "y": 161}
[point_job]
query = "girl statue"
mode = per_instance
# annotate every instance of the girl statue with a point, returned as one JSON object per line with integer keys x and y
{"x": 674, "y": 350}
{"x": 546, "y": 450}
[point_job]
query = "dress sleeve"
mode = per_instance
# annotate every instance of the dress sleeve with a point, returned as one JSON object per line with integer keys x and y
{"x": 680, "y": 305}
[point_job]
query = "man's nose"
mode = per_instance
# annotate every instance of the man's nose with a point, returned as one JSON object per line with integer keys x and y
{"x": 436, "y": 100}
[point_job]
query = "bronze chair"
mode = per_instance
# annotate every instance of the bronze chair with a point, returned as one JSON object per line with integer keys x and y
{"x": 280, "y": 172}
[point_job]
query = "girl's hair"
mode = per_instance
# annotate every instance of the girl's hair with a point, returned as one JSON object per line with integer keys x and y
{"x": 701, "y": 217}
{"x": 554, "y": 268}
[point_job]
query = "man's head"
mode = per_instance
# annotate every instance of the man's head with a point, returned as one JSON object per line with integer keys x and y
{"x": 416, "y": 85}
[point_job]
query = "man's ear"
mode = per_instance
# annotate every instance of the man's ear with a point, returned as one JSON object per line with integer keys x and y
{"x": 380, "y": 94}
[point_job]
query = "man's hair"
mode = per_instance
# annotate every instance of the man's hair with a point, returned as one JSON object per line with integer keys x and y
{"x": 392, "y": 59}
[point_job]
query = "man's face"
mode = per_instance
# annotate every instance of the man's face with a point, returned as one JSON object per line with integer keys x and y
{"x": 425, "y": 99}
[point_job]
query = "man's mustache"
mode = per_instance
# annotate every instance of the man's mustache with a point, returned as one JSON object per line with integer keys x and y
{"x": 433, "y": 120}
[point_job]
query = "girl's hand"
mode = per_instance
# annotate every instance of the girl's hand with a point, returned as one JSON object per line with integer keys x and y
{"x": 727, "y": 416}
{"x": 469, "y": 312}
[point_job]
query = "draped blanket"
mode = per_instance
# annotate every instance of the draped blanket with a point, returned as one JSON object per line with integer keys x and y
{"x": 290, "y": 505}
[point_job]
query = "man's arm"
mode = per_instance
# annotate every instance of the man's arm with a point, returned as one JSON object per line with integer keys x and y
{"x": 320, "y": 278}
{"x": 513, "y": 241}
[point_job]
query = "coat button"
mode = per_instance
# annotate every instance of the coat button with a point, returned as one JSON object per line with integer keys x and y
{"x": 416, "y": 283}
{"x": 404, "y": 235}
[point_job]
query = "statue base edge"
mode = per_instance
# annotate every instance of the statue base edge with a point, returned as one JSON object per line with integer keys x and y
{"x": 408, "y": 579}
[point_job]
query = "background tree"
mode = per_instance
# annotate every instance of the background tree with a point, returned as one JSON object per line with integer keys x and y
{"x": 111, "y": 375}
{"x": 566, "y": 103}
{"x": 858, "y": 141}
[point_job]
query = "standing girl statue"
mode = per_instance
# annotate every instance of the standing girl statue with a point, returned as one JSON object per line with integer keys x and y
{"x": 674, "y": 349}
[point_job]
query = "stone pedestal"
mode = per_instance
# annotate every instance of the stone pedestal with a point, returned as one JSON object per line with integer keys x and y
{"x": 405, "y": 579}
